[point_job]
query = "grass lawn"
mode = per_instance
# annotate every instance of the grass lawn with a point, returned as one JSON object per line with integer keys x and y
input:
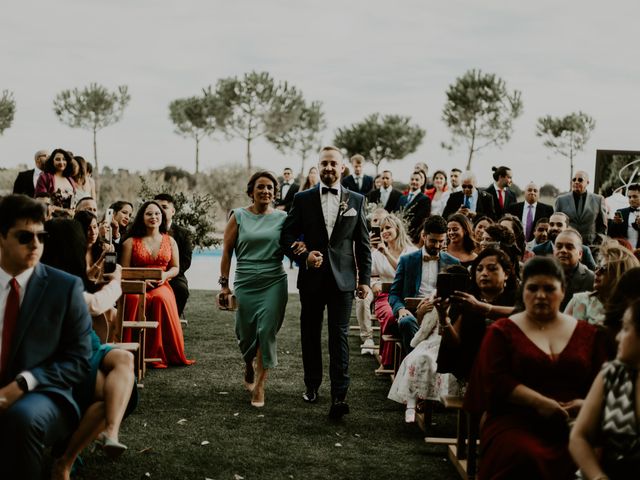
{"x": 182, "y": 408}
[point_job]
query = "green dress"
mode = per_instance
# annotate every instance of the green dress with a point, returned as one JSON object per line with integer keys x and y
{"x": 260, "y": 284}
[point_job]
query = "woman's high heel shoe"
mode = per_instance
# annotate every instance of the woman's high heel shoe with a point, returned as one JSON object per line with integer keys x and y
{"x": 257, "y": 397}
{"x": 112, "y": 448}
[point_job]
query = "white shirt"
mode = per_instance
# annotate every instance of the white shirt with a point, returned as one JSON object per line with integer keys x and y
{"x": 330, "y": 206}
{"x": 5, "y": 287}
{"x": 284, "y": 190}
{"x": 36, "y": 175}
{"x": 358, "y": 180}
{"x": 384, "y": 195}
{"x": 525, "y": 212}
{"x": 429, "y": 276}
{"x": 632, "y": 233}
{"x": 380, "y": 266}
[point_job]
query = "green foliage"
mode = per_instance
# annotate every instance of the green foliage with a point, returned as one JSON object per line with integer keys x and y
{"x": 91, "y": 108}
{"x": 480, "y": 111}
{"x": 227, "y": 185}
{"x": 304, "y": 137}
{"x": 7, "y": 110}
{"x": 549, "y": 190}
{"x": 566, "y": 135}
{"x": 255, "y": 105}
{"x": 377, "y": 138}
{"x": 194, "y": 210}
{"x": 197, "y": 118}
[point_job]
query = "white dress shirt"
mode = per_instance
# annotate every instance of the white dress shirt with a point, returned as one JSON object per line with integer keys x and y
{"x": 330, "y": 206}
{"x": 358, "y": 180}
{"x": 5, "y": 287}
{"x": 36, "y": 175}
{"x": 384, "y": 195}
{"x": 284, "y": 190}
{"x": 429, "y": 276}
{"x": 632, "y": 233}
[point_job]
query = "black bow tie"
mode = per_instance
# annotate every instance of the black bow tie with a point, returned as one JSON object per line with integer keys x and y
{"x": 285, "y": 183}
{"x": 329, "y": 190}
{"x": 634, "y": 210}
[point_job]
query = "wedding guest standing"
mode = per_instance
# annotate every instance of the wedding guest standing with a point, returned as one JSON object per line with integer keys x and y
{"x": 27, "y": 180}
{"x": 56, "y": 179}
{"x": 260, "y": 284}
{"x": 332, "y": 220}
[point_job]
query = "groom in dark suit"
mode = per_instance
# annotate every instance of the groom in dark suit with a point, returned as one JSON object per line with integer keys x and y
{"x": 45, "y": 347}
{"x": 330, "y": 219}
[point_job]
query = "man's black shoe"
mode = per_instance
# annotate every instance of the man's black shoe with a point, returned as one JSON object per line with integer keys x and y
{"x": 310, "y": 396}
{"x": 338, "y": 409}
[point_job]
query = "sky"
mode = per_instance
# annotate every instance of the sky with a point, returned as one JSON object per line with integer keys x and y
{"x": 357, "y": 57}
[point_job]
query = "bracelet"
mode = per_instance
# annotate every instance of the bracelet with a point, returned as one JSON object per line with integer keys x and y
{"x": 223, "y": 281}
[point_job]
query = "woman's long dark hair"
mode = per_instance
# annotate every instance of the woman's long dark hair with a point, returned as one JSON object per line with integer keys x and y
{"x": 467, "y": 240}
{"x": 85, "y": 218}
{"x": 138, "y": 228}
{"x": 50, "y": 168}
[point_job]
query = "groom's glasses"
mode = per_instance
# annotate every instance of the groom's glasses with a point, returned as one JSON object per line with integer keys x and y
{"x": 25, "y": 237}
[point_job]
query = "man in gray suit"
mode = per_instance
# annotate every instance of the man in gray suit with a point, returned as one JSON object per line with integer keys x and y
{"x": 587, "y": 211}
{"x": 568, "y": 250}
{"x": 45, "y": 346}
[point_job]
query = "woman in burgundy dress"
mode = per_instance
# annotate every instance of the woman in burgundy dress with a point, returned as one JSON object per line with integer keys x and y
{"x": 532, "y": 373}
{"x": 150, "y": 246}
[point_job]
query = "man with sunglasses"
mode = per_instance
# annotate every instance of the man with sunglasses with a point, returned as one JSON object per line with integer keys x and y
{"x": 587, "y": 211}
{"x": 45, "y": 344}
{"x": 470, "y": 202}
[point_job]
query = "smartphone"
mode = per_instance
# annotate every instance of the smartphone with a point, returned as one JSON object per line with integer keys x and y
{"x": 109, "y": 265}
{"x": 108, "y": 218}
{"x": 447, "y": 283}
{"x": 375, "y": 232}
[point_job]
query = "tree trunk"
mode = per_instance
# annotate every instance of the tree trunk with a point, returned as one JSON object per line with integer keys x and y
{"x": 302, "y": 177}
{"x": 471, "y": 147}
{"x": 197, "y": 155}
{"x": 571, "y": 161}
{"x": 96, "y": 170}
{"x": 377, "y": 164}
{"x": 249, "y": 166}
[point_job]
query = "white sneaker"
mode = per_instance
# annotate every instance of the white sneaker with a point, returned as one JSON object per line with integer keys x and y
{"x": 368, "y": 347}
{"x": 410, "y": 415}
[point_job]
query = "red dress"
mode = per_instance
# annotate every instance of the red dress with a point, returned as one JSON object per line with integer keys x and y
{"x": 167, "y": 342}
{"x": 515, "y": 441}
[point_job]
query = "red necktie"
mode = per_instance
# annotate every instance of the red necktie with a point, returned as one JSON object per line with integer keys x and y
{"x": 500, "y": 198}
{"x": 11, "y": 311}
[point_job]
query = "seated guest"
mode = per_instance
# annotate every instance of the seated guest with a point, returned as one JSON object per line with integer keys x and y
{"x": 464, "y": 317}
{"x": 470, "y": 202}
{"x": 605, "y": 440}
{"x": 568, "y": 250}
{"x": 363, "y": 305}
{"x": 460, "y": 239}
{"x": 531, "y": 375}
{"x": 415, "y": 207}
{"x": 46, "y": 343}
{"x": 122, "y": 212}
{"x": 513, "y": 224}
{"x": 439, "y": 194}
{"x": 558, "y": 222}
{"x": 479, "y": 224}
{"x": 45, "y": 198}
{"x": 109, "y": 392}
{"x": 87, "y": 204}
{"x": 150, "y": 246}
{"x": 590, "y": 306}
{"x": 385, "y": 254}
{"x": 96, "y": 248}
{"x": 182, "y": 236}
{"x": 56, "y": 179}
{"x": 540, "y": 234}
{"x": 417, "y": 274}
{"x": 625, "y": 291}
{"x": 501, "y": 237}
{"x": 626, "y": 221}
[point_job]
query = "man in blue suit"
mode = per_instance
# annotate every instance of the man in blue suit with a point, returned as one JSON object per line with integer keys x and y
{"x": 417, "y": 274}
{"x": 331, "y": 220}
{"x": 45, "y": 346}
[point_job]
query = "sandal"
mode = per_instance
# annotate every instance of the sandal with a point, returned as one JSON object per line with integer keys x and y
{"x": 410, "y": 415}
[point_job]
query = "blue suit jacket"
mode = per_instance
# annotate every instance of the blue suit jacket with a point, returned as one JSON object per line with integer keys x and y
{"x": 347, "y": 253}
{"x": 408, "y": 277}
{"x": 52, "y": 337}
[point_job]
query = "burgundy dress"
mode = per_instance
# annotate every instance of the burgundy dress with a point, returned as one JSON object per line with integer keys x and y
{"x": 515, "y": 441}
{"x": 166, "y": 342}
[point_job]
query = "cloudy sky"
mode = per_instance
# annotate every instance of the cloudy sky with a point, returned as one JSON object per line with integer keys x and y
{"x": 357, "y": 57}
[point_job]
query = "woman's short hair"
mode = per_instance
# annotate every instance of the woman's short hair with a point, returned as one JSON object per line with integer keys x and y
{"x": 262, "y": 174}
{"x": 50, "y": 168}
{"x": 467, "y": 241}
{"x": 138, "y": 228}
{"x": 548, "y": 266}
{"x": 504, "y": 261}
{"x": 402, "y": 239}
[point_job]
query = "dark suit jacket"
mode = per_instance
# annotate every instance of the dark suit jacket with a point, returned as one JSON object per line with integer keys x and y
{"x": 484, "y": 205}
{"x": 581, "y": 280}
{"x": 415, "y": 213}
{"x": 509, "y": 199}
{"x": 24, "y": 183}
{"x": 288, "y": 199}
{"x": 347, "y": 253}
{"x": 591, "y": 221}
{"x": 52, "y": 337}
{"x": 619, "y": 230}
{"x": 350, "y": 183}
{"x": 408, "y": 277}
{"x": 542, "y": 211}
{"x": 185, "y": 248}
{"x": 392, "y": 203}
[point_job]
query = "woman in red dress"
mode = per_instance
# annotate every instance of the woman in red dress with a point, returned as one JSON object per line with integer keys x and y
{"x": 531, "y": 375}
{"x": 150, "y": 246}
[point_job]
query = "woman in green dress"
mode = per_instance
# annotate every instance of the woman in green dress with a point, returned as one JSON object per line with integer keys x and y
{"x": 260, "y": 284}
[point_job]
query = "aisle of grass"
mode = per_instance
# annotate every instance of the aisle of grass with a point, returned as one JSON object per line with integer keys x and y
{"x": 181, "y": 408}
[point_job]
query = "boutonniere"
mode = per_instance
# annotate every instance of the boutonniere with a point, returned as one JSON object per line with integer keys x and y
{"x": 343, "y": 207}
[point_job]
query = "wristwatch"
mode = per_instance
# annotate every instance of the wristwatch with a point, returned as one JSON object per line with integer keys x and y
{"x": 22, "y": 383}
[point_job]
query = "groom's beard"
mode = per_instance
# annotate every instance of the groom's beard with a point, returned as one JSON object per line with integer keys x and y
{"x": 432, "y": 251}
{"x": 329, "y": 178}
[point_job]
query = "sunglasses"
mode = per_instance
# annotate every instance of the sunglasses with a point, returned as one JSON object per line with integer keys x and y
{"x": 467, "y": 186}
{"x": 577, "y": 179}
{"x": 25, "y": 237}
